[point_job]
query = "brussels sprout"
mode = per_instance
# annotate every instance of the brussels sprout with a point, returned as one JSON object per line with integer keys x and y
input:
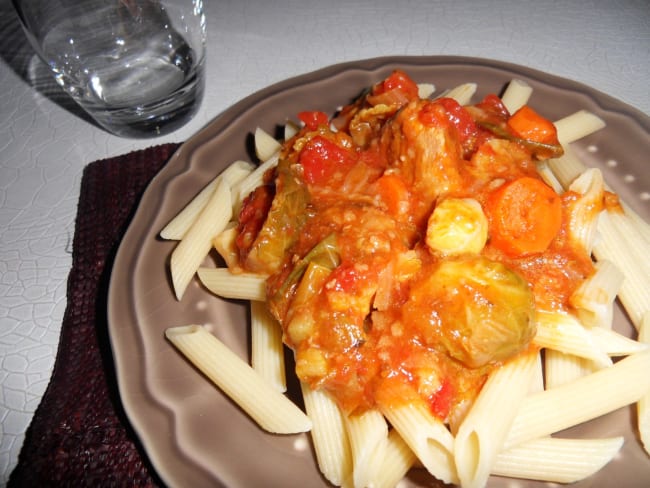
{"x": 477, "y": 310}
{"x": 457, "y": 225}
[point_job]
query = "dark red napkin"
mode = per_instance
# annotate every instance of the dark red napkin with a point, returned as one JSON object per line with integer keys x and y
{"x": 80, "y": 435}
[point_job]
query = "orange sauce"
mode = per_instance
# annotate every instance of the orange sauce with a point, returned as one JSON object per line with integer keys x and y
{"x": 373, "y": 313}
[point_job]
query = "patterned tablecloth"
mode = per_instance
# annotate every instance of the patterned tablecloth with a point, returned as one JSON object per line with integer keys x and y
{"x": 79, "y": 434}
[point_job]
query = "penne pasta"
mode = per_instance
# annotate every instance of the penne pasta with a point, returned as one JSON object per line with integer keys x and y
{"x": 244, "y": 187}
{"x": 636, "y": 221}
{"x": 290, "y": 130}
{"x": 244, "y": 286}
{"x": 594, "y": 298}
{"x": 484, "y": 429}
{"x": 427, "y": 437}
{"x": 368, "y": 435}
{"x": 557, "y": 460}
{"x": 584, "y": 213}
{"x": 549, "y": 177}
{"x": 581, "y": 400}
{"x": 562, "y": 332}
{"x": 390, "y": 464}
{"x": 516, "y": 95}
{"x": 462, "y": 93}
{"x": 265, "y": 145}
{"x": 643, "y": 405}
{"x": 561, "y": 368}
{"x": 425, "y": 90}
{"x": 196, "y": 243}
{"x": 328, "y": 435}
{"x": 577, "y": 125}
{"x": 178, "y": 226}
{"x": 267, "y": 349}
{"x": 610, "y": 246}
{"x": 537, "y": 383}
{"x": 614, "y": 344}
{"x": 224, "y": 244}
{"x": 634, "y": 289}
{"x": 638, "y": 241}
{"x": 276, "y": 414}
{"x": 567, "y": 167}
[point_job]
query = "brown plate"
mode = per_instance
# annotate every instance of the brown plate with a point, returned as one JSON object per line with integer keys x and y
{"x": 194, "y": 435}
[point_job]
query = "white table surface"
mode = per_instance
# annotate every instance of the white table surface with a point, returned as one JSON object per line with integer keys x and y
{"x": 251, "y": 44}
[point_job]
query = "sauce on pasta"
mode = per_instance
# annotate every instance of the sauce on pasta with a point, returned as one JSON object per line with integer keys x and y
{"x": 409, "y": 243}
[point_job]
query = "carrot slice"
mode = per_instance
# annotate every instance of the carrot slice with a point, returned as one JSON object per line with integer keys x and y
{"x": 529, "y": 125}
{"x": 394, "y": 194}
{"x": 525, "y": 216}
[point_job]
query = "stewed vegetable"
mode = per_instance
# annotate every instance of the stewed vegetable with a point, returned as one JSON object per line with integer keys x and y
{"x": 409, "y": 242}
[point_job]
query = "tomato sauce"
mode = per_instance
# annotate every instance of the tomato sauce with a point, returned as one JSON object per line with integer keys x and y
{"x": 376, "y": 308}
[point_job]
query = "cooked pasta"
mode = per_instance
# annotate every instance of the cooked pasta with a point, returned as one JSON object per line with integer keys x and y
{"x": 516, "y": 95}
{"x": 485, "y": 428}
{"x": 582, "y": 399}
{"x": 561, "y": 368}
{"x": 578, "y": 125}
{"x": 390, "y": 464}
{"x": 594, "y": 298}
{"x": 244, "y": 286}
{"x": 643, "y": 405}
{"x": 267, "y": 349}
{"x": 178, "y": 226}
{"x": 243, "y": 188}
{"x": 197, "y": 241}
{"x": 368, "y": 435}
{"x": 583, "y": 221}
{"x": 556, "y": 459}
{"x": 633, "y": 291}
{"x": 329, "y": 436}
{"x": 461, "y": 93}
{"x": 563, "y": 332}
{"x": 238, "y": 380}
{"x": 265, "y": 145}
{"x": 425, "y": 90}
{"x": 426, "y": 436}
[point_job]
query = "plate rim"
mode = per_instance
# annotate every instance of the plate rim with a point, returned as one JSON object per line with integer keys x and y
{"x": 216, "y": 125}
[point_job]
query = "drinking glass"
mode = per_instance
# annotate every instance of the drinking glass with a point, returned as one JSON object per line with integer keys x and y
{"x": 135, "y": 66}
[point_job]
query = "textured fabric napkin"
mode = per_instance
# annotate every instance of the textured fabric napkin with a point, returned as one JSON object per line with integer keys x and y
{"x": 79, "y": 435}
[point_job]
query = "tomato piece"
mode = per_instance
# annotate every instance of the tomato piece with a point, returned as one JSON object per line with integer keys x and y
{"x": 322, "y": 158}
{"x": 441, "y": 400}
{"x": 313, "y": 119}
{"x": 398, "y": 80}
{"x": 345, "y": 278}
{"x": 493, "y": 104}
{"x": 447, "y": 111}
{"x": 253, "y": 213}
{"x": 460, "y": 118}
{"x": 395, "y": 91}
